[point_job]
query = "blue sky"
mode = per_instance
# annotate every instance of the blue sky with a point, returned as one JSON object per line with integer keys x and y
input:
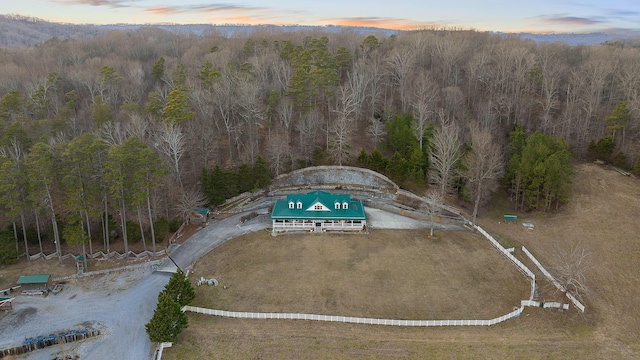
{"x": 541, "y": 16}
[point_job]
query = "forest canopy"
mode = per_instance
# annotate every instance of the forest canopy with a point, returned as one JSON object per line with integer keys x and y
{"x": 129, "y": 129}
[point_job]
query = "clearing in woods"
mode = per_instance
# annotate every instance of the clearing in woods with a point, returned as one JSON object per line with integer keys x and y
{"x": 602, "y": 215}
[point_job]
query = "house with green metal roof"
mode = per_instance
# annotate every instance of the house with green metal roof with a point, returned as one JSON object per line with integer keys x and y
{"x": 318, "y": 211}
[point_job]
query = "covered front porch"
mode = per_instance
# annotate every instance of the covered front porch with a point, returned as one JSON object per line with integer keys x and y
{"x": 318, "y": 225}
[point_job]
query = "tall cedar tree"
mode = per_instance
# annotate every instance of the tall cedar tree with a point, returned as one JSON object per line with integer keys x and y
{"x": 179, "y": 289}
{"x": 168, "y": 320}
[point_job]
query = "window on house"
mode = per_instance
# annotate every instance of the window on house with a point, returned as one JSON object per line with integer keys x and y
{"x": 345, "y": 205}
{"x": 337, "y": 206}
{"x": 290, "y": 204}
{"x": 299, "y": 205}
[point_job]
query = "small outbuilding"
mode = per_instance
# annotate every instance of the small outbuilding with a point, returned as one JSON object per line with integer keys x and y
{"x": 199, "y": 216}
{"x": 35, "y": 284}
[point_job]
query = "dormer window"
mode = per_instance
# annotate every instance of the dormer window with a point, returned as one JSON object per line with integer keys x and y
{"x": 290, "y": 204}
{"x": 299, "y": 205}
{"x": 337, "y": 206}
{"x": 345, "y": 205}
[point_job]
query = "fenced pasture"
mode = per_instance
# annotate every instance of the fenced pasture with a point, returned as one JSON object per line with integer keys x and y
{"x": 400, "y": 274}
{"x": 602, "y": 214}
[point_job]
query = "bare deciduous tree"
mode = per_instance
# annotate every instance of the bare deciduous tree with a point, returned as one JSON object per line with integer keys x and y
{"x": 570, "y": 269}
{"x": 171, "y": 143}
{"x": 137, "y": 126}
{"x": 113, "y": 133}
{"x": 425, "y": 98}
{"x": 444, "y": 156}
{"x": 483, "y": 165}
{"x": 190, "y": 199}
{"x": 308, "y": 129}
{"x": 433, "y": 208}
{"x": 340, "y": 150}
{"x": 253, "y": 114}
{"x": 227, "y": 103}
{"x": 278, "y": 154}
{"x": 376, "y": 131}
{"x": 285, "y": 115}
{"x": 358, "y": 83}
{"x": 400, "y": 62}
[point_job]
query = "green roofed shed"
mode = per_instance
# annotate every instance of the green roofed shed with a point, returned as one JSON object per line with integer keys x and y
{"x": 33, "y": 284}
{"x": 199, "y": 214}
{"x": 34, "y": 279}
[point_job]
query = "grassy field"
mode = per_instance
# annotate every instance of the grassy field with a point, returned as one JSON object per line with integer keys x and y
{"x": 386, "y": 274}
{"x": 602, "y": 215}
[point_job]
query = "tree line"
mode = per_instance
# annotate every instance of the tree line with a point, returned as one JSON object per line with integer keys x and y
{"x": 140, "y": 126}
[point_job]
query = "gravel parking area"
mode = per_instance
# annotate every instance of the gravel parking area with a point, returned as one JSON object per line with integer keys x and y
{"x": 116, "y": 304}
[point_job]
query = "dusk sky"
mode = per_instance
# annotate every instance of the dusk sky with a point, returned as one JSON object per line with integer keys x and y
{"x": 542, "y": 16}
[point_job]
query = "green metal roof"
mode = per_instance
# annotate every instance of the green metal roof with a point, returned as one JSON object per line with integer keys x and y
{"x": 328, "y": 211}
{"x": 34, "y": 279}
{"x": 201, "y": 211}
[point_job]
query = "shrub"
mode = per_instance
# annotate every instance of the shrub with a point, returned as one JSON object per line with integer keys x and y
{"x": 161, "y": 228}
{"x": 8, "y": 254}
{"x": 133, "y": 232}
{"x": 619, "y": 160}
{"x": 174, "y": 225}
{"x": 636, "y": 168}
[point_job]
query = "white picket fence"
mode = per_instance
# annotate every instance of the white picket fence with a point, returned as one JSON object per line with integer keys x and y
{"x": 350, "y": 319}
{"x": 544, "y": 304}
{"x": 550, "y": 277}
{"x": 160, "y": 349}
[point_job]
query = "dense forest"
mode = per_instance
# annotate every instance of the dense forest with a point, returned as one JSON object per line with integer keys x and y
{"x": 125, "y": 132}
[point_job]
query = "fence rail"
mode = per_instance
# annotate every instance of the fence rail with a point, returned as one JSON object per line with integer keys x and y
{"x": 109, "y": 255}
{"x": 550, "y": 277}
{"x": 523, "y": 268}
{"x": 350, "y": 319}
{"x": 544, "y": 304}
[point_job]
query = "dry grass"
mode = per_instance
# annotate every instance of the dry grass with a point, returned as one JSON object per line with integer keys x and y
{"x": 602, "y": 215}
{"x": 10, "y": 274}
{"x": 386, "y": 274}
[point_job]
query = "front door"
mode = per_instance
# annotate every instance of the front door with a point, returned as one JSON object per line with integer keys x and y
{"x": 318, "y": 226}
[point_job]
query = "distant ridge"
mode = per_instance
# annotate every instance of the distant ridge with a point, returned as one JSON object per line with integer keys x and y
{"x": 22, "y": 31}
{"x": 233, "y": 30}
{"x": 574, "y": 39}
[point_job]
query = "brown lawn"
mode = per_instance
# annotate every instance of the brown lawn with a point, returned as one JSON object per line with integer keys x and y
{"x": 386, "y": 274}
{"x": 602, "y": 215}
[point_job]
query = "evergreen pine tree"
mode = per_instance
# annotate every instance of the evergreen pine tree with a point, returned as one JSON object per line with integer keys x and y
{"x": 167, "y": 321}
{"x": 179, "y": 289}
